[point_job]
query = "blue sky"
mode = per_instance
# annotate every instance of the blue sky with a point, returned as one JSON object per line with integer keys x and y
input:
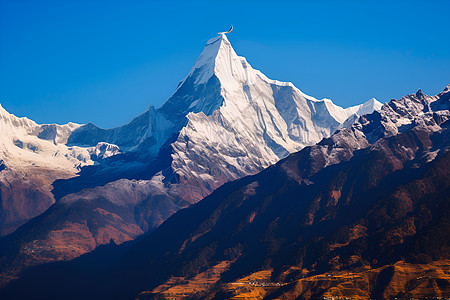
{"x": 106, "y": 61}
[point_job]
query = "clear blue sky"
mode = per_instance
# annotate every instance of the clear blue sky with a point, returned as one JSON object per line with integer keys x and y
{"x": 105, "y": 61}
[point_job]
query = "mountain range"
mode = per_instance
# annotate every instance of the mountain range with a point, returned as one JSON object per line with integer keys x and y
{"x": 74, "y": 187}
{"x": 312, "y": 189}
{"x": 363, "y": 214}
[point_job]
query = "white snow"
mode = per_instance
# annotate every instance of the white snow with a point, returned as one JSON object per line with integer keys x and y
{"x": 258, "y": 122}
{"x": 23, "y": 143}
{"x": 104, "y": 150}
{"x": 231, "y": 121}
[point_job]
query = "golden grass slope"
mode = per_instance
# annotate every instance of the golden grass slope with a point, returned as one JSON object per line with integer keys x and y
{"x": 400, "y": 280}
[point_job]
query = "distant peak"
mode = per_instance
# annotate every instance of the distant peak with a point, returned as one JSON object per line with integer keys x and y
{"x": 3, "y": 111}
{"x": 447, "y": 88}
{"x": 420, "y": 94}
{"x": 150, "y": 107}
{"x": 374, "y": 102}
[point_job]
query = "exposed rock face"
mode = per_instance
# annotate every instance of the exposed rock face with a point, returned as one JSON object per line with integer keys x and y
{"x": 16, "y": 187}
{"x": 367, "y": 197}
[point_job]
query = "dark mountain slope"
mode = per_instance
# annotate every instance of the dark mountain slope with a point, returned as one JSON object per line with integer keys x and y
{"x": 370, "y": 195}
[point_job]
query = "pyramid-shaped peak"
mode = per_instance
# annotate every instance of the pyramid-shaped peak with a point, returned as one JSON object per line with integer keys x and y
{"x": 219, "y": 38}
{"x": 369, "y": 106}
{"x": 215, "y": 47}
{"x": 218, "y": 51}
{"x": 373, "y": 102}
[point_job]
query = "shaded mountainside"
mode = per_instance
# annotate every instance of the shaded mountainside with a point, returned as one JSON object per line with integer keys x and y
{"x": 225, "y": 121}
{"x": 368, "y": 197}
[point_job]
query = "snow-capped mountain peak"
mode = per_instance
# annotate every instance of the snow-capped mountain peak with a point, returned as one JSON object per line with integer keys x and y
{"x": 228, "y": 120}
{"x": 225, "y": 120}
{"x": 205, "y": 65}
{"x": 239, "y": 121}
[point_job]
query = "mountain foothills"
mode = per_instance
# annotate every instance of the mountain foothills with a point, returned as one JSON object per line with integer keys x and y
{"x": 362, "y": 214}
{"x": 66, "y": 189}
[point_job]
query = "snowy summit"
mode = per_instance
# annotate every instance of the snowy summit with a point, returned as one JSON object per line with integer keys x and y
{"x": 225, "y": 120}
